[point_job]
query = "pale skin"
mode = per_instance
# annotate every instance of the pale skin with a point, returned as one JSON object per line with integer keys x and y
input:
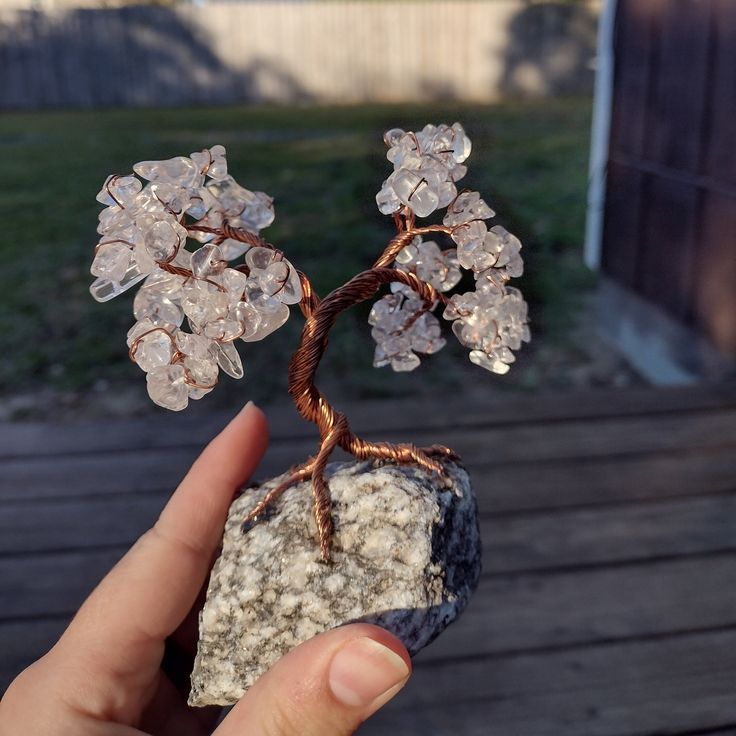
{"x": 121, "y": 668}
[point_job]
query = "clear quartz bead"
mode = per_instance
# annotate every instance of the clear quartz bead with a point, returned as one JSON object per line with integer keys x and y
{"x": 472, "y": 255}
{"x": 111, "y": 261}
{"x": 207, "y": 261}
{"x": 223, "y": 330}
{"x": 380, "y": 358}
{"x": 211, "y": 162}
{"x": 179, "y": 170}
{"x": 218, "y": 167}
{"x": 143, "y": 326}
{"x": 426, "y": 335}
{"x": 203, "y": 301}
{"x": 195, "y": 346}
{"x": 164, "y": 239}
{"x": 405, "y": 153}
{"x": 159, "y": 308}
{"x": 153, "y": 349}
{"x": 414, "y": 190}
{"x": 200, "y": 201}
{"x": 274, "y": 277}
{"x": 466, "y": 207}
{"x": 489, "y": 362}
{"x": 268, "y": 322}
{"x": 250, "y": 210}
{"x": 200, "y": 371}
{"x": 393, "y": 136}
{"x": 229, "y": 360}
{"x": 167, "y": 387}
{"x": 103, "y": 290}
{"x": 408, "y": 255}
{"x": 196, "y": 393}
{"x": 259, "y": 259}
{"x": 168, "y": 284}
{"x": 247, "y": 317}
{"x": 471, "y": 232}
{"x": 387, "y": 200}
{"x": 234, "y": 283}
{"x": 119, "y": 190}
{"x": 147, "y": 204}
{"x": 143, "y": 259}
{"x": 405, "y": 362}
{"x": 446, "y": 192}
{"x": 461, "y": 145}
{"x": 175, "y": 199}
{"x": 232, "y": 249}
{"x": 113, "y": 219}
{"x": 258, "y": 212}
{"x": 503, "y": 249}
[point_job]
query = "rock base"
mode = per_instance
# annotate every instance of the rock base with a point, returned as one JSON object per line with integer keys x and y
{"x": 405, "y": 556}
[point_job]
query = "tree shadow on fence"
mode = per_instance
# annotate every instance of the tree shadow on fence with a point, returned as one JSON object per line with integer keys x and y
{"x": 131, "y": 56}
{"x": 551, "y": 47}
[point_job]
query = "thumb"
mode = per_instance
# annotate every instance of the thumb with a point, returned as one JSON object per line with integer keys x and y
{"x": 325, "y": 687}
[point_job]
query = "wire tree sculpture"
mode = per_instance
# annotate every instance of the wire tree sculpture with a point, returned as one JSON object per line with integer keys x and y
{"x": 149, "y": 219}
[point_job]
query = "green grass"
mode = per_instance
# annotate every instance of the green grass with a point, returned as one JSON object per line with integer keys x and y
{"x": 322, "y": 165}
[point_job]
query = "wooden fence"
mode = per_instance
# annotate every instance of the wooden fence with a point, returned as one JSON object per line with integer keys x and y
{"x": 289, "y": 50}
{"x": 670, "y": 217}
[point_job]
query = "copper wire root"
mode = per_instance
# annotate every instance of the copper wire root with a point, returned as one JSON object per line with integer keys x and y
{"x": 297, "y": 475}
{"x": 313, "y": 406}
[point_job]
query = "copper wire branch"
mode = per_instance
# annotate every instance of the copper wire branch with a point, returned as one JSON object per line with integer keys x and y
{"x": 333, "y": 426}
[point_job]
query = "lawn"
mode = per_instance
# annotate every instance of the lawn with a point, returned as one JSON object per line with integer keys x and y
{"x": 323, "y": 166}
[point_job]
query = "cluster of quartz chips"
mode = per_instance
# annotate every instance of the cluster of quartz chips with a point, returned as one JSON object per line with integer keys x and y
{"x": 426, "y": 166}
{"x": 491, "y": 322}
{"x": 478, "y": 248}
{"x": 430, "y": 264}
{"x": 401, "y": 329}
{"x": 219, "y": 305}
{"x": 492, "y": 319}
{"x": 144, "y": 230}
{"x": 401, "y": 324}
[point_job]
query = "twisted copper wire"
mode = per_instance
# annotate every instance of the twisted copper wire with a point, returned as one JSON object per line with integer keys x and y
{"x": 297, "y": 475}
{"x": 333, "y": 426}
{"x": 225, "y": 231}
{"x": 403, "y": 239}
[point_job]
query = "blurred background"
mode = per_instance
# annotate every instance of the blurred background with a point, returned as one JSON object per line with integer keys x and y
{"x": 603, "y": 137}
{"x": 300, "y": 94}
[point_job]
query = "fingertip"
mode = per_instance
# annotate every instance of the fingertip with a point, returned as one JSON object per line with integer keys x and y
{"x": 244, "y": 438}
{"x": 329, "y": 684}
{"x": 254, "y": 413}
{"x": 365, "y": 670}
{"x": 381, "y": 636}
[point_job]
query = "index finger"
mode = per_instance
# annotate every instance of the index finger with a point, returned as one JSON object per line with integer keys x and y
{"x": 149, "y": 592}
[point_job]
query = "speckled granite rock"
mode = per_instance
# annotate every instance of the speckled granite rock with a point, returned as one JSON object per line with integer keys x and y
{"x": 406, "y": 556}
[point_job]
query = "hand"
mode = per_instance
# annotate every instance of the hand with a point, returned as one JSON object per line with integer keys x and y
{"x": 122, "y": 666}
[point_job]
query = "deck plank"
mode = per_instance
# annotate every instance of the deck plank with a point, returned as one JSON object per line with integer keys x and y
{"x": 514, "y": 542}
{"x": 677, "y": 685}
{"x": 642, "y": 688}
{"x": 607, "y": 605}
{"x": 507, "y": 613}
{"x": 198, "y": 425}
{"x": 578, "y": 440}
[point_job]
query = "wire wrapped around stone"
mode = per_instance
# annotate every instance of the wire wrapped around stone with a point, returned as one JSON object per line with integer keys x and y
{"x": 333, "y": 426}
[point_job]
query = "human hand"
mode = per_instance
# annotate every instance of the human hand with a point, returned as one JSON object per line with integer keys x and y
{"x": 122, "y": 666}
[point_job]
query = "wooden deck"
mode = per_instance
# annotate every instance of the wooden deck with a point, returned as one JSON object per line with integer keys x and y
{"x": 607, "y": 605}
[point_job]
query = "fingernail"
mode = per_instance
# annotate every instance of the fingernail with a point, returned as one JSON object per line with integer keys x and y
{"x": 363, "y": 670}
{"x": 247, "y": 407}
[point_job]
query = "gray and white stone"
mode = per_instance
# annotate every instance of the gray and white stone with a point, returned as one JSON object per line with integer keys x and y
{"x": 406, "y": 556}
